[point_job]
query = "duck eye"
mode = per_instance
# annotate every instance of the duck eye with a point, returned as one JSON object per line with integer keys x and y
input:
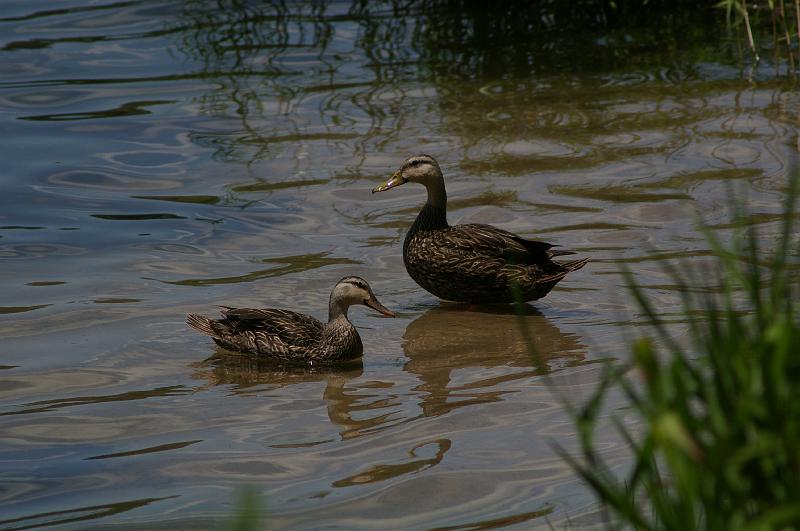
{"x": 415, "y": 162}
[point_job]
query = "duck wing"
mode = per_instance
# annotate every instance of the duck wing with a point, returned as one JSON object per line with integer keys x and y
{"x": 272, "y": 328}
{"x": 491, "y": 242}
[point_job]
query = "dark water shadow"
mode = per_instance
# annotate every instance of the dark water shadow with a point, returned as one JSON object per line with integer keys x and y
{"x": 498, "y": 523}
{"x": 22, "y": 309}
{"x": 136, "y": 217}
{"x": 452, "y": 337}
{"x": 383, "y": 472}
{"x": 148, "y": 450}
{"x": 44, "y": 406}
{"x": 292, "y": 264}
{"x": 79, "y": 514}
{"x": 191, "y": 199}
{"x": 133, "y": 108}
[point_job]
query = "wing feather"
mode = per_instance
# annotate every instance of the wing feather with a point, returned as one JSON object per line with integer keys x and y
{"x": 268, "y": 329}
{"x": 488, "y": 241}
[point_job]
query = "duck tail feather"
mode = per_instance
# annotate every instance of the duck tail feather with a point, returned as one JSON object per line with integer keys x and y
{"x": 552, "y": 253}
{"x": 202, "y": 324}
{"x": 574, "y": 265}
{"x": 554, "y": 278}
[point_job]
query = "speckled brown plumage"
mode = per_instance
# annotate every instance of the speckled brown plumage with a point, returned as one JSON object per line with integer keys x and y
{"x": 479, "y": 263}
{"x": 290, "y": 336}
{"x": 472, "y": 263}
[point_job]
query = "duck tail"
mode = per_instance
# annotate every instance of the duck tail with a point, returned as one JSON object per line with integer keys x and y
{"x": 574, "y": 265}
{"x": 202, "y": 324}
{"x": 552, "y": 253}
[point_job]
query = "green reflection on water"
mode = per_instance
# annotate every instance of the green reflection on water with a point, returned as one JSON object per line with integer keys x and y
{"x": 267, "y": 186}
{"x": 195, "y": 199}
{"x": 132, "y": 108}
{"x": 586, "y": 227}
{"x": 21, "y": 309}
{"x": 380, "y": 473}
{"x": 616, "y": 194}
{"x": 684, "y": 181}
{"x": 118, "y": 300}
{"x": 499, "y": 523}
{"x": 51, "y": 405}
{"x": 149, "y": 450}
{"x": 248, "y": 50}
{"x": 293, "y": 264}
{"x": 136, "y": 217}
{"x": 79, "y": 514}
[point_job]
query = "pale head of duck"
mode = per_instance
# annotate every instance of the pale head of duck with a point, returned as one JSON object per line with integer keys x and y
{"x": 422, "y": 169}
{"x": 350, "y": 291}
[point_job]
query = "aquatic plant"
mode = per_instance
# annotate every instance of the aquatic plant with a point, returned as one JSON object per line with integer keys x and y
{"x": 716, "y": 440}
{"x": 785, "y": 24}
{"x": 248, "y": 512}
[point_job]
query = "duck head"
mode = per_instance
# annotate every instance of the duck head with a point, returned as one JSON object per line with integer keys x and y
{"x": 421, "y": 169}
{"x": 354, "y": 290}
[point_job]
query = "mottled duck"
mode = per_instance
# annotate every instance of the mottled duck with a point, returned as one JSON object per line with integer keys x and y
{"x": 473, "y": 263}
{"x": 294, "y": 337}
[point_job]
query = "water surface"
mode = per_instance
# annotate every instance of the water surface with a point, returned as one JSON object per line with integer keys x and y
{"x": 167, "y": 157}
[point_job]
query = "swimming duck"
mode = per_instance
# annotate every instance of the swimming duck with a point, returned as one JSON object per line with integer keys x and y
{"x": 472, "y": 263}
{"x": 289, "y": 336}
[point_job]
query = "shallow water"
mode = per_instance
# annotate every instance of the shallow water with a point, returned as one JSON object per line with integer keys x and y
{"x": 161, "y": 158}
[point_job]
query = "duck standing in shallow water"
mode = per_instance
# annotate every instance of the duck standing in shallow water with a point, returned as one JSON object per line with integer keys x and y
{"x": 289, "y": 336}
{"x": 471, "y": 263}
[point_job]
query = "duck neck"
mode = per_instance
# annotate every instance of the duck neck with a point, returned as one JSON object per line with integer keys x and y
{"x": 437, "y": 196}
{"x": 336, "y": 310}
{"x": 434, "y": 214}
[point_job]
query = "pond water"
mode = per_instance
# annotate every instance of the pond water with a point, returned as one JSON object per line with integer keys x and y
{"x": 167, "y": 157}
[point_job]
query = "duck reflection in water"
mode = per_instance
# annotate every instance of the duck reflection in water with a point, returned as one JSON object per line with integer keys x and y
{"x": 244, "y": 373}
{"x": 452, "y": 337}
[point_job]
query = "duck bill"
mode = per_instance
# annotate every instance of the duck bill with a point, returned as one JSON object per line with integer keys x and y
{"x": 396, "y": 180}
{"x": 378, "y": 307}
